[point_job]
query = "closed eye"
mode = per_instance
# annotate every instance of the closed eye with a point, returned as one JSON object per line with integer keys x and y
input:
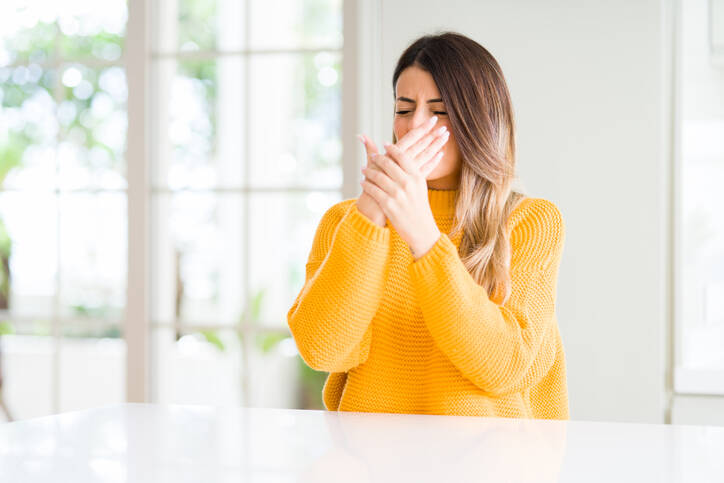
{"x": 439, "y": 113}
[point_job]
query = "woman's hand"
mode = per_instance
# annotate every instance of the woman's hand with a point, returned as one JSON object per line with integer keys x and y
{"x": 365, "y": 203}
{"x": 399, "y": 184}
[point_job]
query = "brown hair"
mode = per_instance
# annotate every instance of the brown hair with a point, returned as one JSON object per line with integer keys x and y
{"x": 478, "y": 104}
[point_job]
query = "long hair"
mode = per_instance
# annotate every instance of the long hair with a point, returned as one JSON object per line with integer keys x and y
{"x": 478, "y": 104}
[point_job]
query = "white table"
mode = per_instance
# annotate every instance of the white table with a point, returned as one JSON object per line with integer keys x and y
{"x": 152, "y": 443}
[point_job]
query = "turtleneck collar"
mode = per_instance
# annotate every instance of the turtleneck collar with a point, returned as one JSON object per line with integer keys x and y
{"x": 442, "y": 202}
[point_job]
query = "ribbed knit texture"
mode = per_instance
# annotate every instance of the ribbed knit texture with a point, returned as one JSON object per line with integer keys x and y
{"x": 405, "y": 336}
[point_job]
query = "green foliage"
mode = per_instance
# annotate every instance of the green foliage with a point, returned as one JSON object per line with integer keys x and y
{"x": 312, "y": 383}
{"x": 213, "y": 338}
{"x": 5, "y": 250}
{"x": 110, "y": 332}
{"x": 35, "y": 44}
{"x": 6, "y": 328}
{"x": 97, "y": 312}
{"x": 6, "y": 244}
{"x": 11, "y": 152}
{"x": 252, "y": 311}
{"x": 267, "y": 341}
{"x": 197, "y": 24}
{"x": 103, "y": 45}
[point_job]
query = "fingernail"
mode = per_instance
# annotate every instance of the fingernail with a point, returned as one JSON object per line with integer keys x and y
{"x": 446, "y": 135}
{"x": 361, "y": 139}
{"x": 433, "y": 120}
{"x": 441, "y": 130}
{"x": 387, "y": 145}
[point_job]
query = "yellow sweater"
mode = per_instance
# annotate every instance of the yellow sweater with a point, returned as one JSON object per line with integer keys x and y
{"x": 405, "y": 336}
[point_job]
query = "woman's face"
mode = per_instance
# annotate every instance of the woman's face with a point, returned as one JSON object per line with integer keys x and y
{"x": 417, "y": 100}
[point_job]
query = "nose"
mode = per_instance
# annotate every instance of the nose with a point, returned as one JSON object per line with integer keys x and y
{"x": 419, "y": 118}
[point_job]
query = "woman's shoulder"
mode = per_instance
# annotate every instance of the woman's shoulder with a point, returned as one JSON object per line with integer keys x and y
{"x": 531, "y": 211}
{"x": 538, "y": 231}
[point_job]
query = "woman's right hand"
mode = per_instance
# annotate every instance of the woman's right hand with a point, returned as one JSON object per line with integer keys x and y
{"x": 365, "y": 203}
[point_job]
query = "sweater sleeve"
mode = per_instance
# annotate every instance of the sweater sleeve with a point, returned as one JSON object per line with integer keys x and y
{"x": 499, "y": 348}
{"x": 345, "y": 273}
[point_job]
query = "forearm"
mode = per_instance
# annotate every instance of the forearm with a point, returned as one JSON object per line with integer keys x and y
{"x": 332, "y": 314}
{"x": 494, "y": 347}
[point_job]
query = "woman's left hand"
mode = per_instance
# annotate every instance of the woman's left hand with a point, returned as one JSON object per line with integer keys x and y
{"x": 400, "y": 185}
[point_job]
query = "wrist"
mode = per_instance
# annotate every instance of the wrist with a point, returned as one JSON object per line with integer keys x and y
{"x": 424, "y": 245}
{"x": 375, "y": 216}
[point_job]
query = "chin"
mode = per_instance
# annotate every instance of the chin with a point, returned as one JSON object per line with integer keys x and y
{"x": 435, "y": 174}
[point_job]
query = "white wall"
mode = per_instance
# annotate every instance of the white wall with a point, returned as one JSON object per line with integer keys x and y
{"x": 589, "y": 82}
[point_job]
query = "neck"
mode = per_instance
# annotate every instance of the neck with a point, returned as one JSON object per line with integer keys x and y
{"x": 449, "y": 182}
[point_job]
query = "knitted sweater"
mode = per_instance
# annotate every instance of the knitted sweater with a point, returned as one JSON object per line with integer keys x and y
{"x": 422, "y": 336}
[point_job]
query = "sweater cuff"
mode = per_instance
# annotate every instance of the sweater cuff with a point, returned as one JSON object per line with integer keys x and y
{"x": 366, "y": 227}
{"x": 441, "y": 251}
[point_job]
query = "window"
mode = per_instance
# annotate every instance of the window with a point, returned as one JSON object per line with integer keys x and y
{"x": 62, "y": 204}
{"x": 246, "y": 120}
{"x": 700, "y": 247}
{"x": 244, "y": 146}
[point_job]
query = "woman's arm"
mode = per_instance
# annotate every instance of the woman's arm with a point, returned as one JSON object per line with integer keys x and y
{"x": 499, "y": 348}
{"x": 330, "y": 319}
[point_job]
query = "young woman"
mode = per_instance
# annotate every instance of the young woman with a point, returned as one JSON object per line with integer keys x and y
{"x": 434, "y": 291}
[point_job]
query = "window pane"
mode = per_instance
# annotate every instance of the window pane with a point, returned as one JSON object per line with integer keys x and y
{"x": 93, "y": 255}
{"x": 702, "y": 224}
{"x": 92, "y": 366}
{"x": 197, "y": 24}
{"x": 28, "y": 32}
{"x": 93, "y": 123}
{"x": 296, "y": 120}
{"x": 200, "y": 123}
{"x": 192, "y": 25}
{"x": 28, "y": 240}
{"x": 198, "y": 258}
{"x": 27, "y": 360}
{"x": 91, "y": 31}
{"x": 294, "y": 23}
{"x": 29, "y": 128}
{"x": 282, "y": 231}
{"x": 196, "y": 368}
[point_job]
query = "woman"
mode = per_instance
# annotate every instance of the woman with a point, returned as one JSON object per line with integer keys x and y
{"x": 434, "y": 291}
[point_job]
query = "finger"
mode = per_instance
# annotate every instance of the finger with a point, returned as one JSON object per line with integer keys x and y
{"x": 414, "y": 150}
{"x": 401, "y": 157}
{"x": 375, "y": 192}
{"x": 428, "y": 167}
{"x": 369, "y": 145}
{"x": 380, "y": 179}
{"x": 432, "y": 149}
{"x": 414, "y": 135}
{"x": 390, "y": 167}
{"x": 370, "y": 149}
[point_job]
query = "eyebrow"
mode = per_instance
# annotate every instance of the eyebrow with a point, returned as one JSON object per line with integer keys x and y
{"x": 407, "y": 99}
